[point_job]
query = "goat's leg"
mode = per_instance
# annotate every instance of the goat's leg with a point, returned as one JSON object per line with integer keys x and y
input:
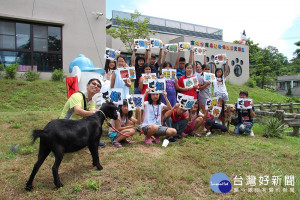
{"x": 95, "y": 155}
{"x": 43, "y": 153}
{"x": 59, "y": 154}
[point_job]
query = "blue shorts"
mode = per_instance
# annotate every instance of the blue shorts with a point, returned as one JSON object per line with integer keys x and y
{"x": 113, "y": 136}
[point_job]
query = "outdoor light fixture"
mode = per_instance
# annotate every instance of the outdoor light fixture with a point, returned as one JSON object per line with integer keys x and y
{"x": 98, "y": 14}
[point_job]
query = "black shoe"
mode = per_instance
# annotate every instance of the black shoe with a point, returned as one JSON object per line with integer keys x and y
{"x": 171, "y": 139}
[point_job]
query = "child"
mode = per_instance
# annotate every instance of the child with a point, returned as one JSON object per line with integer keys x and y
{"x": 221, "y": 118}
{"x": 124, "y": 124}
{"x": 171, "y": 87}
{"x": 116, "y": 81}
{"x": 220, "y": 90}
{"x": 109, "y": 66}
{"x": 152, "y": 115}
{"x": 245, "y": 117}
{"x": 210, "y": 124}
{"x": 195, "y": 122}
{"x": 138, "y": 64}
{"x": 143, "y": 86}
{"x": 176, "y": 118}
{"x": 181, "y": 86}
{"x": 205, "y": 88}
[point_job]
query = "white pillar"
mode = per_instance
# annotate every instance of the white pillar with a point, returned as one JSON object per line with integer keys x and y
{"x": 292, "y": 84}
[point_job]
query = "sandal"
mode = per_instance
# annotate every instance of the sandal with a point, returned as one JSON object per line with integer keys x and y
{"x": 148, "y": 141}
{"x": 156, "y": 140}
{"x": 116, "y": 144}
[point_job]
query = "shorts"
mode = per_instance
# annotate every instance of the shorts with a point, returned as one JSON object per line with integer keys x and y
{"x": 113, "y": 135}
{"x": 203, "y": 101}
{"x": 160, "y": 132}
{"x": 223, "y": 96}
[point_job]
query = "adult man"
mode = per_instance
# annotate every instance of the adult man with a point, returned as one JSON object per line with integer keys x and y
{"x": 245, "y": 117}
{"x": 74, "y": 108}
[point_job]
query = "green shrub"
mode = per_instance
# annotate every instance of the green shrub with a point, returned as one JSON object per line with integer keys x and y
{"x": 11, "y": 71}
{"x": 26, "y": 150}
{"x": 273, "y": 128}
{"x": 289, "y": 92}
{"x": 31, "y": 75}
{"x": 77, "y": 188}
{"x": 58, "y": 75}
{"x": 92, "y": 184}
{"x": 251, "y": 83}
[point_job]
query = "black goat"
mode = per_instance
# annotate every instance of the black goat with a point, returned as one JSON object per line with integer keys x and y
{"x": 64, "y": 136}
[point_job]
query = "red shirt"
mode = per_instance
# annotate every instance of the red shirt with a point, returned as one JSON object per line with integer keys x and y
{"x": 192, "y": 91}
{"x": 176, "y": 118}
{"x": 145, "y": 86}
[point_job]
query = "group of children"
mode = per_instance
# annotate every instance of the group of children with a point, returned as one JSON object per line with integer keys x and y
{"x": 162, "y": 115}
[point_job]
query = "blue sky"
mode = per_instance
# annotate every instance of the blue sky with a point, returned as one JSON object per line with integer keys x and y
{"x": 267, "y": 22}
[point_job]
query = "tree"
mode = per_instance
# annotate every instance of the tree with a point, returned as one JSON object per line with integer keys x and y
{"x": 297, "y": 52}
{"x": 130, "y": 29}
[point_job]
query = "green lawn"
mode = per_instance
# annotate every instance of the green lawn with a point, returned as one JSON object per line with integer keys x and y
{"x": 180, "y": 171}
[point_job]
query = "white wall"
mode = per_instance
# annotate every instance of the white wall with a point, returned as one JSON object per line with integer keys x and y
{"x": 82, "y": 32}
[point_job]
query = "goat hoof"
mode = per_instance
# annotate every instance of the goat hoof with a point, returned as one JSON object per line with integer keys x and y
{"x": 99, "y": 167}
{"x": 59, "y": 185}
{"x": 28, "y": 187}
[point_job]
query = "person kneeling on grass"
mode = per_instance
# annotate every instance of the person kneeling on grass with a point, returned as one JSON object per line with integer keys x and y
{"x": 124, "y": 124}
{"x": 245, "y": 117}
{"x": 176, "y": 118}
{"x": 152, "y": 115}
{"x": 210, "y": 124}
{"x": 195, "y": 122}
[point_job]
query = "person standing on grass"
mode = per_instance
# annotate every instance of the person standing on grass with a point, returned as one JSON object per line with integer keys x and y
{"x": 116, "y": 81}
{"x": 220, "y": 90}
{"x": 245, "y": 117}
{"x": 138, "y": 64}
{"x": 125, "y": 123}
{"x": 81, "y": 104}
{"x": 176, "y": 118}
{"x": 152, "y": 117}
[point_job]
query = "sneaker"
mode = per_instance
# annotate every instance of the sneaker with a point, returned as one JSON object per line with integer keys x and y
{"x": 183, "y": 134}
{"x": 171, "y": 139}
{"x": 208, "y": 133}
{"x": 148, "y": 141}
{"x": 102, "y": 144}
{"x": 251, "y": 133}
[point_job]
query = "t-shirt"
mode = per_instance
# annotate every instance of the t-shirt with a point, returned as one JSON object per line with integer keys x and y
{"x": 76, "y": 99}
{"x": 171, "y": 93}
{"x": 113, "y": 123}
{"x": 244, "y": 115}
{"x": 177, "y": 118}
{"x": 194, "y": 116}
{"x": 179, "y": 72}
{"x": 219, "y": 86}
{"x": 190, "y": 92}
{"x": 155, "y": 69}
{"x": 119, "y": 83}
{"x": 206, "y": 92}
{"x": 152, "y": 114}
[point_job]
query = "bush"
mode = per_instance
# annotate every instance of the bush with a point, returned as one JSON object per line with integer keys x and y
{"x": 289, "y": 92}
{"x": 31, "y": 75}
{"x": 273, "y": 128}
{"x": 251, "y": 83}
{"x": 58, "y": 75}
{"x": 11, "y": 71}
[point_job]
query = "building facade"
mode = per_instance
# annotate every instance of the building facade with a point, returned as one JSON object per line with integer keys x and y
{"x": 46, "y": 35}
{"x": 170, "y": 31}
{"x": 283, "y": 83}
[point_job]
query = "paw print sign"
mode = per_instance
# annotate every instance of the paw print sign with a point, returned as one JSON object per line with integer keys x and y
{"x": 157, "y": 85}
{"x": 244, "y": 104}
{"x": 216, "y": 111}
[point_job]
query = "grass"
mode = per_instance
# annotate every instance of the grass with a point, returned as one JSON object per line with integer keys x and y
{"x": 180, "y": 171}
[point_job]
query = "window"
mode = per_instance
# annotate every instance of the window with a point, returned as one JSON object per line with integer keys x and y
{"x": 33, "y": 46}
